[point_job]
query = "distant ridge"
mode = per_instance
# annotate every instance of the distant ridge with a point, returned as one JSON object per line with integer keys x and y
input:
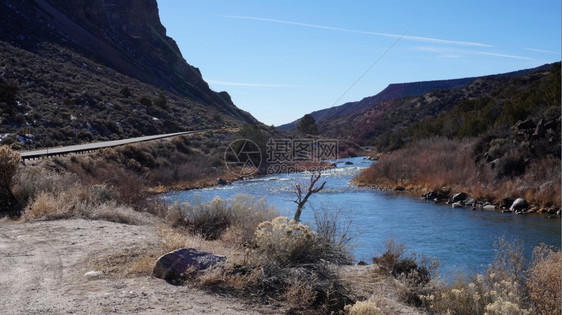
{"x": 398, "y": 90}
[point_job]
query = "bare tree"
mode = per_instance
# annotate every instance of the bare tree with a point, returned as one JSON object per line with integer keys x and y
{"x": 301, "y": 200}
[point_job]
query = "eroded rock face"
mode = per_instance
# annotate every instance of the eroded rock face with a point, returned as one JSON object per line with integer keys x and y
{"x": 121, "y": 34}
{"x": 174, "y": 265}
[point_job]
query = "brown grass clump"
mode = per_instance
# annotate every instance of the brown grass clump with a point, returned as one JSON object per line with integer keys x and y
{"x": 9, "y": 162}
{"x": 363, "y": 308}
{"x": 233, "y": 221}
{"x": 81, "y": 202}
{"x": 544, "y": 283}
{"x": 506, "y": 287}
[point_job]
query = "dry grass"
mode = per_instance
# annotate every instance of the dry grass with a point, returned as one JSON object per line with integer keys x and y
{"x": 9, "y": 162}
{"x": 233, "y": 221}
{"x": 544, "y": 283}
{"x": 363, "y": 308}
{"x": 81, "y": 202}
{"x": 506, "y": 287}
{"x": 414, "y": 274}
{"x": 429, "y": 165}
{"x": 282, "y": 262}
{"x": 371, "y": 287}
{"x": 139, "y": 260}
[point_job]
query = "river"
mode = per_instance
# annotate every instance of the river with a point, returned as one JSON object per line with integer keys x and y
{"x": 461, "y": 239}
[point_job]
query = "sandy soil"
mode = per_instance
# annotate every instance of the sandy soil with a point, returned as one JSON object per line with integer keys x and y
{"x": 43, "y": 267}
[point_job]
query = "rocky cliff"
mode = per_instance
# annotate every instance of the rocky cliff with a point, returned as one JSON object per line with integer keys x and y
{"x": 121, "y": 34}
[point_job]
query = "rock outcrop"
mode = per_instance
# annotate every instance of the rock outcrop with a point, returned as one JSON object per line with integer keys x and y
{"x": 124, "y": 35}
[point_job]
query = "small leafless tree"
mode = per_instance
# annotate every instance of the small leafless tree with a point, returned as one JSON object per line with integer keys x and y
{"x": 301, "y": 200}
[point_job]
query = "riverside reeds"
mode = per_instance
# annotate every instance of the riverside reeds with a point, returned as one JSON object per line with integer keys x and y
{"x": 435, "y": 163}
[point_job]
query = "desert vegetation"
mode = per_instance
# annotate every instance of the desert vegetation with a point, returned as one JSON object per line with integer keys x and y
{"x": 270, "y": 259}
{"x": 508, "y": 286}
{"x": 59, "y": 97}
{"x": 443, "y": 165}
{"x": 9, "y": 162}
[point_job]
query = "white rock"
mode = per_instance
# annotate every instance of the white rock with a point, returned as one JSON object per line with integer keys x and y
{"x": 93, "y": 274}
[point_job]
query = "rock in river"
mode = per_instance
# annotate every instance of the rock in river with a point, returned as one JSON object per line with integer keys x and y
{"x": 519, "y": 204}
{"x": 458, "y": 198}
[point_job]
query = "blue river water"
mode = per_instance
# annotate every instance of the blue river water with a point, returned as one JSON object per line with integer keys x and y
{"x": 461, "y": 239}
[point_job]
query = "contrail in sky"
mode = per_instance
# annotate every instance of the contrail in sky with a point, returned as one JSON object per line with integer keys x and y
{"x": 374, "y": 63}
{"x": 339, "y": 29}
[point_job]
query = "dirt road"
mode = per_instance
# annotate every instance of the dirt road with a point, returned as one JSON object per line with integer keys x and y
{"x": 43, "y": 268}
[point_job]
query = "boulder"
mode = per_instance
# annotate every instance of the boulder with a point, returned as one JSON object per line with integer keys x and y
{"x": 435, "y": 196}
{"x": 174, "y": 265}
{"x": 489, "y": 208}
{"x": 348, "y": 163}
{"x": 457, "y": 204}
{"x": 507, "y": 202}
{"x": 457, "y": 198}
{"x": 221, "y": 181}
{"x": 519, "y": 204}
{"x": 429, "y": 195}
{"x": 470, "y": 202}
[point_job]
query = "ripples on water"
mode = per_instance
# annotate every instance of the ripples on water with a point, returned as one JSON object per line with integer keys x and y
{"x": 461, "y": 239}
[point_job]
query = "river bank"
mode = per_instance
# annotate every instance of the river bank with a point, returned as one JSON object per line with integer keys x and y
{"x": 438, "y": 169}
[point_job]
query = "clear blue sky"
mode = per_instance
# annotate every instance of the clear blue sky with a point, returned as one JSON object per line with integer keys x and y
{"x": 282, "y": 59}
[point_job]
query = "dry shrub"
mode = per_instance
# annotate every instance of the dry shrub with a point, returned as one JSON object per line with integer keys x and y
{"x": 283, "y": 261}
{"x": 299, "y": 293}
{"x": 333, "y": 229}
{"x": 232, "y": 220}
{"x": 414, "y": 274}
{"x": 426, "y": 164}
{"x": 33, "y": 180}
{"x": 284, "y": 242}
{"x": 498, "y": 291}
{"x": 363, "y": 308}
{"x": 543, "y": 283}
{"x": 437, "y": 162}
{"x": 9, "y": 162}
{"x": 81, "y": 202}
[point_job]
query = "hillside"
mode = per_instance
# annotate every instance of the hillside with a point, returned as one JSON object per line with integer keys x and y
{"x": 390, "y": 123}
{"x": 392, "y": 91}
{"x": 493, "y": 102}
{"x": 95, "y": 70}
{"x": 496, "y": 140}
{"x": 415, "y": 100}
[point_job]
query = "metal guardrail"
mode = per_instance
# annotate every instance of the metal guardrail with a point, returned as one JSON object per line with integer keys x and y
{"x": 89, "y": 147}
